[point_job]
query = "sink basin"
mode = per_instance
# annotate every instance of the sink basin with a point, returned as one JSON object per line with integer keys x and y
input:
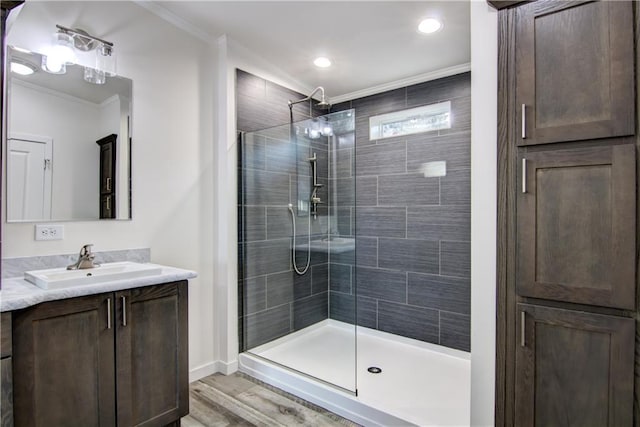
{"x": 56, "y": 278}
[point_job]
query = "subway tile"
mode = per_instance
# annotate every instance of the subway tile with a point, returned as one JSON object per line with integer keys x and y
{"x": 252, "y": 223}
{"x": 455, "y": 259}
{"x": 381, "y": 222}
{"x": 308, "y": 311}
{"x": 319, "y": 278}
{"x": 344, "y": 188}
{"x": 280, "y": 156}
{"x": 252, "y": 295}
{"x": 315, "y": 258}
{"x": 381, "y": 159}
{"x": 367, "y": 310}
{"x": 367, "y": 251}
{"x": 266, "y": 326}
{"x": 454, "y": 149}
{"x": 366, "y": 191}
{"x": 340, "y": 278}
{"x": 362, "y": 133}
{"x": 439, "y": 292}
{"x": 279, "y": 224}
{"x": 265, "y": 188}
{"x": 409, "y": 255}
{"x": 346, "y": 257}
{"x": 438, "y": 90}
{"x": 271, "y": 256}
{"x": 412, "y": 322}
{"x": 342, "y": 307}
{"x": 278, "y": 98}
{"x": 445, "y": 222}
{"x": 455, "y": 331}
{"x": 252, "y": 151}
{"x": 408, "y": 189}
{"x": 343, "y": 220}
{"x": 255, "y": 114}
{"x": 381, "y": 284}
{"x": 455, "y": 188}
{"x": 385, "y": 102}
{"x": 346, "y": 105}
{"x": 286, "y": 287}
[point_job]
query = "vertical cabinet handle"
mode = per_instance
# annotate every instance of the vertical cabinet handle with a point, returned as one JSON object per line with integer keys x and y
{"x": 108, "y": 203}
{"x": 524, "y": 121}
{"x": 108, "y": 184}
{"x": 108, "y": 313}
{"x": 524, "y": 175}
{"x": 124, "y": 311}
{"x": 523, "y": 318}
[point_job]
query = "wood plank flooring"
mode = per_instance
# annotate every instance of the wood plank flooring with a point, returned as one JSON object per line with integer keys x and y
{"x": 240, "y": 400}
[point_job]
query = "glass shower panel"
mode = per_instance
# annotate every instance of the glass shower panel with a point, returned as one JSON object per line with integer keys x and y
{"x": 297, "y": 247}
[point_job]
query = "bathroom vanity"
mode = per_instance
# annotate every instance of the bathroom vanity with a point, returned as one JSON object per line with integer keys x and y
{"x": 112, "y": 353}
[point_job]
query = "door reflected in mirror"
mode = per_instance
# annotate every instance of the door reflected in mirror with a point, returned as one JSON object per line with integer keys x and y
{"x": 68, "y": 144}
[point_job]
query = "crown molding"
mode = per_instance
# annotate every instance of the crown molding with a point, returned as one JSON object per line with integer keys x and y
{"x": 420, "y": 78}
{"x": 170, "y": 17}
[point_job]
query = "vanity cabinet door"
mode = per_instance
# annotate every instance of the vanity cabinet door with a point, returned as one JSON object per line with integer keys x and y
{"x": 576, "y": 221}
{"x": 574, "y": 68}
{"x": 152, "y": 355}
{"x": 107, "y": 176}
{"x": 63, "y": 361}
{"x": 573, "y": 368}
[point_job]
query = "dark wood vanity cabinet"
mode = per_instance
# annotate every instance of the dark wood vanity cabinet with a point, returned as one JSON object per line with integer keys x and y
{"x": 574, "y": 68}
{"x": 6, "y": 372}
{"x": 108, "y": 176}
{"x": 567, "y": 237}
{"x": 103, "y": 360}
{"x": 573, "y": 368}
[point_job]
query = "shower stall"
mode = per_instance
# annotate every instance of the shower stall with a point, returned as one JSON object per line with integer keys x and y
{"x": 328, "y": 312}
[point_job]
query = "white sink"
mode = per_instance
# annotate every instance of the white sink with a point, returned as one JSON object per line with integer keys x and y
{"x": 56, "y": 278}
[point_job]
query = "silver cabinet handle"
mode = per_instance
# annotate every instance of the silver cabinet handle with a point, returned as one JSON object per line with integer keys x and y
{"x": 124, "y": 311}
{"x": 108, "y": 313}
{"x": 108, "y": 203}
{"x": 523, "y": 319}
{"x": 524, "y": 121}
{"x": 524, "y": 175}
{"x": 108, "y": 184}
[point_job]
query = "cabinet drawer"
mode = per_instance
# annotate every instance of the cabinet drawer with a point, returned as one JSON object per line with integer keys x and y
{"x": 575, "y": 71}
{"x": 573, "y": 368}
{"x": 576, "y": 220}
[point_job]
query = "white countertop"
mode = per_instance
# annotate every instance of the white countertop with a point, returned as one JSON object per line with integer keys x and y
{"x": 17, "y": 293}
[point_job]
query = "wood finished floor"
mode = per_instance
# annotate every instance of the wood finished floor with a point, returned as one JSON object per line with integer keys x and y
{"x": 240, "y": 400}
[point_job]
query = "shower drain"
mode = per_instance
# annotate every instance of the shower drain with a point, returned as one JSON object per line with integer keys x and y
{"x": 374, "y": 370}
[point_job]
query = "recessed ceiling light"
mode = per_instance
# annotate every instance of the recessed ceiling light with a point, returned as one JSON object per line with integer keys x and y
{"x": 21, "y": 68}
{"x": 322, "y": 62}
{"x": 430, "y": 25}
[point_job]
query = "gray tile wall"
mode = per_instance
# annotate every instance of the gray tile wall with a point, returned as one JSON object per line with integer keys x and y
{"x": 412, "y": 266}
{"x": 274, "y": 300}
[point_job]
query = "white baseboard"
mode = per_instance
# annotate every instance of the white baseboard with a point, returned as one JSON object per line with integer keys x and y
{"x": 211, "y": 368}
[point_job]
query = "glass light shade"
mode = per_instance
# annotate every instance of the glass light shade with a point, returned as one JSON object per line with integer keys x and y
{"x": 97, "y": 77}
{"x": 106, "y": 59}
{"x": 53, "y": 65}
{"x": 62, "y": 49}
{"x": 327, "y": 130}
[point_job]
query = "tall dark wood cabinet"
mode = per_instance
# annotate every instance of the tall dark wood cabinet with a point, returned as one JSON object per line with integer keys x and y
{"x": 108, "y": 176}
{"x": 567, "y": 168}
{"x": 119, "y": 358}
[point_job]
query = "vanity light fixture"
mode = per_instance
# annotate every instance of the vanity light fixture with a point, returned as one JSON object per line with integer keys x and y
{"x": 68, "y": 41}
{"x": 430, "y": 25}
{"x": 322, "y": 62}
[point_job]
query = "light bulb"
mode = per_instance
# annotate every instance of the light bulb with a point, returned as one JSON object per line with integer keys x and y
{"x": 53, "y": 65}
{"x": 22, "y": 69}
{"x": 322, "y": 62}
{"x": 314, "y": 134}
{"x": 327, "y": 130}
{"x": 430, "y": 25}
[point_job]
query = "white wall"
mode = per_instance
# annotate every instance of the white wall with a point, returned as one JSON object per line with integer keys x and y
{"x": 73, "y": 125}
{"x": 172, "y": 152}
{"x": 484, "y": 89}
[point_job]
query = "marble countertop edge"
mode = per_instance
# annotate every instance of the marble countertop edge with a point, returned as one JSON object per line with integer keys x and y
{"x": 17, "y": 293}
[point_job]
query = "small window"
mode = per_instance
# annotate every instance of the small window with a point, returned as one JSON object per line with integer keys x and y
{"x": 415, "y": 120}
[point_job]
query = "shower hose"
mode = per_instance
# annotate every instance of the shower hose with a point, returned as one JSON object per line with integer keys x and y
{"x": 293, "y": 249}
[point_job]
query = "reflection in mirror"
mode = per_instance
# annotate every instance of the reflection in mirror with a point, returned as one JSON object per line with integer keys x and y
{"x": 68, "y": 144}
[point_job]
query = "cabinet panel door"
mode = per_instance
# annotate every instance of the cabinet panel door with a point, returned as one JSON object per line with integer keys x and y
{"x": 574, "y": 68}
{"x": 574, "y": 368}
{"x": 576, "y": 225}
{"x": 6, "y": 392}
{"x": 63, "y": 357}
{"x": 152, "y": 355}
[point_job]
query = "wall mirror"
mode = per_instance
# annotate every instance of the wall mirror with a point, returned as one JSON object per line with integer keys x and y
{"x": 68, "y": 149}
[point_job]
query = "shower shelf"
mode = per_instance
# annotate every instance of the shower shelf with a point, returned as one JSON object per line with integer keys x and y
{"x": 334, "y": 245}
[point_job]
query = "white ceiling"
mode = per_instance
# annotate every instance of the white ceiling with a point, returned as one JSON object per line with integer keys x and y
{"x": 371, "y": 43}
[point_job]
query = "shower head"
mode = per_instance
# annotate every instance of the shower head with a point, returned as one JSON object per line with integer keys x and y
{"x": 322, "y": 104}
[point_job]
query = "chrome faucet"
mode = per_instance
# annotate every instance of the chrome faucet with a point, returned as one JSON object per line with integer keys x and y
{"x": 85, "y": 259}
